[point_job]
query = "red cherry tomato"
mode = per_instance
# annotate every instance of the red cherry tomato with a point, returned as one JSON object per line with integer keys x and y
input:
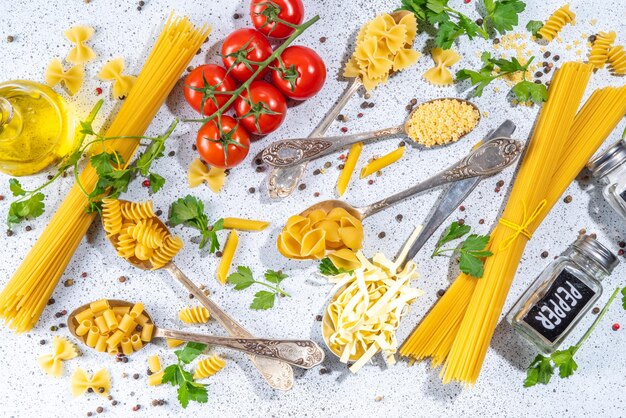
{"x": 223, "y": 149}
{"x": 264, "y": 111}
{"x": 245, "y": 44}
{"x": 300, "y": 73}
{"x": 264, "y": 15}
{"x": 203, "y": 87}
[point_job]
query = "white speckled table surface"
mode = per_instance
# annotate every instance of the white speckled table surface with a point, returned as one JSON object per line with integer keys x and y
{"x": 597, "y": 389}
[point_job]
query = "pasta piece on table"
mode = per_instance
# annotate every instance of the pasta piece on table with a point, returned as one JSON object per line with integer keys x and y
{"x": 245, "y": 224}
{"x": 113, "y": 71}
{"x": 80, "y": 53}
{"x": 72, "y": 78}
{"x": 348, "y": 168}
{"x": 198, "y": 173}
{"x": 99, "y": 383}
{"x": 561, "y": 17}
{"x": 382, "y": 162}
{"x": 440, "y": 74}
{"x": 194, "y": 315}
{"x": 227, "y": 256}
{"x": 208, "y": 367}
{"x": 63, "y": 350}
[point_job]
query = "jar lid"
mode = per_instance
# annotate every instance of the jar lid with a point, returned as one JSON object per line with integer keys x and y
{"x": 608, "y": 161}
{"x": 597, "y": 252}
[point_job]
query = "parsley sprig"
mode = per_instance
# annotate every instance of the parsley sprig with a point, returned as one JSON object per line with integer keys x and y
{"x": 450, "y": 24}
{"x": 624, "y": 298}
{"x": 524, "y": 90}
{"x": 541, "y": 368}
{"x": 189, "y": 211}
{"x": 114, "y": 174}
{"x": 472, "y": 251}
{"x": 263, "y": 299}
{"x": 176, "y": 375}
{"x": 328, "y": 268}
{"x": 533, "y": 26}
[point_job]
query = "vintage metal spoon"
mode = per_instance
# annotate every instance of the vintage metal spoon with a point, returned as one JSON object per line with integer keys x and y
{"x": 289, "y": 152}
{"x": 301, "y": 353}
{"x": 485, "y": 160}
{"x": 277, "y": 373}
{"x": 281, "y": 182}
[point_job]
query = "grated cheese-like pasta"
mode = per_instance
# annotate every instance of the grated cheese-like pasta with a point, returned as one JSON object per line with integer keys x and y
{"x": 441, "y": 122}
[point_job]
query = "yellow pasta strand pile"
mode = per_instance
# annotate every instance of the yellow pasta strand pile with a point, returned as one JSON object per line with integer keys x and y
{"x": 53, "y": 363}
{"x": 312, "y": 235}
{"x": 561, "y": 17}
{"x": 80, "y": 53}
{"x": 440, "y": 74}
{"x": 199, "y": 173}
{"x": 383, "y": 45}
{"x": 208, "y": 367}
{"x": 378, "y": 164}
{"x": 137, "y": 233}
{"x": 117, "y": 329}
{"x": 25, "y": 296}
{"x": 99, "y": 383}
{"x": 156, "y": 372}
{"x": 600, "y": 49}
{"x": 194, "y": 315}
{"x": 458, "y": 329}
{"x": 72, "y": 78}
{"x": 617, "y": 60}
{"x": 362, "y": 320}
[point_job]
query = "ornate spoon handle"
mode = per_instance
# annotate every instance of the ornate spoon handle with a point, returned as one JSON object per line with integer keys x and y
{"x": 281, "y": 182}
{"x": 290, "y": 152}
{"x": 277, "y": 373}
{"x": 300, "y": 353}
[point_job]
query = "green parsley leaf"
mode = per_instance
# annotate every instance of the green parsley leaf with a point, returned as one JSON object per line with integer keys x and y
{"x": 624, "y": 298}
{"x": 242, "y": 279}
{"x": 327, "y": 268}
{"x": 197, "y": 392}
{"x": 503, "y": 14}
{"x": 173, "y": 374}
{"x": 16, "y": 187}
{"x": 472, "y": 253}
{"x": 156, "y": 182}
{"x": 263, "y": 300}
{"x": 211, "y": 236}
{"x": 30, "y": 208}
{"x": 447, "y": 33}
{"x": 189, "y": 211}
{"x": 539, "y": 371}
{"x": 454, "y": 231}
{"x": 564, "y": 360}
{"x": 533, "y": 26}
{"x": 275, "y": 276}
{"x": 526, "y": 90}
{"x": 190, "y": 352}
{"x": 183, "y": 394}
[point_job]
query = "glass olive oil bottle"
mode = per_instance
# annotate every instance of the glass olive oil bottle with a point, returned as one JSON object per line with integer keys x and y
{"x": 37, "y": 127}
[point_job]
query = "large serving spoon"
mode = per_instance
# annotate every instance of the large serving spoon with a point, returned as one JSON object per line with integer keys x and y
{"x": 282, "y": 181}
{"x": 277, "y": 373}
{"x": 301, "y": 353}
{"x": 488, "y": 159}
{"x": 290, "y": 152}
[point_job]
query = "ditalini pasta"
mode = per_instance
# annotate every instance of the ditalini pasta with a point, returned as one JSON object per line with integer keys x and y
{"x": 208, "y": 367}
{"x": 348, "y": 168}
{"x": 561, "y": 17}
{"x": 99, "y": 383}
{"x": 72, "y": 78}
{"x": 227, "y": 256}
{"x": 600, "y": 49}
{"x": 114, "y": 329}
{"x": 362, "y": 320}
{"x": 245, "y": 224}
{"x": 617, "y": 60}
{"x": 80, "y": 53}
{"x": 382, "y": 162}
{"x": 194, "y": 315}
{"x": 25, "y": 295}
{"x": 440, "y": 74}
{"x": 63, "y": 350}
{"x": 198, "y": 173}
{"x": 383, "y": 45}
{"x": 313, "y": 235}
{"x": 465, "y": 317}
{"x": 113, "y": 71}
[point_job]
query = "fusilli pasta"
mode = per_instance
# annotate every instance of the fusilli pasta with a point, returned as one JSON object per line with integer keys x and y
{"x": 133, "y": 211}
{"x": 194, "y": 315}
{"x": 111, "y": 216}
{"x": 600, "y": 49}
{"x": 163, "y": 255}
{"x": 555, "y": 23}
{"x": 208, "y": 367}
{"x": 617, "y": 60}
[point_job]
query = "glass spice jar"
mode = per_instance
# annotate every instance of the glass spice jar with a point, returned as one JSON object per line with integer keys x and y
{"x": 562, "y": 294}
{"x": 610, "y": 168}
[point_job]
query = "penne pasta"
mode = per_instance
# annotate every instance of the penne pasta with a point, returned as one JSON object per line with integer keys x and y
{"x": 227, "y": 256}
{"x": 382, "y": 162}
{"x": 348, "y": 168}
{"x": 245, "y": 224}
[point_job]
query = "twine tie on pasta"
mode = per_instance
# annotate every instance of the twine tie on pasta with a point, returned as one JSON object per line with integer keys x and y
{"x": 521, "y": 229}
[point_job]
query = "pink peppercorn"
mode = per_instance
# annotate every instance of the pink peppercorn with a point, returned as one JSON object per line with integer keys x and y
{"x": 146, "y": 183}
{"x": 616, "y": 327}
{"x": 370, "y": 182}
{"x": 344, "y": 129}
{"x": 98, "y": 91}
{"x": 360, "y": 115}
{"x": 620, "y": 252}
{"x": 84, "y": 274}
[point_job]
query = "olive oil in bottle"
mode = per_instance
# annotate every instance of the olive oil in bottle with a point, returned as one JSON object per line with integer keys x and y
{"x": 37, "y": 127}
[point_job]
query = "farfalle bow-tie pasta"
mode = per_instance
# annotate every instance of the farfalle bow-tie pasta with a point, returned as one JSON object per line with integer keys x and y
{"x": 72, "y": 78}
{"x": 113, "y": 71}
{"x": 198, "y": 173}
{"x": 80, "y": 53}
{"x": 383, "y": 45}
{"x": 312, "y": 235}
{"x": 63, "y": 350}
{"x": 440, "y": 74}
{"x": 99, "y": 383}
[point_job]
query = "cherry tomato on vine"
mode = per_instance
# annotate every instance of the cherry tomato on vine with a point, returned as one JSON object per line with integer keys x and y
{"x": 241, "y": 48}
{"x": 223, "y": 148}
{"x": 203, "y": 87}
{"x": 266, "y": 16}
{"x": 263, "y": 111}
{"x": 299, "y": 73}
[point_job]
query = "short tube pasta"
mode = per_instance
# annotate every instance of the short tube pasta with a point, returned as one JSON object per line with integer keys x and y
{"x": 127, "y": 347}
{"x": 146, "y": 332}
{"x": 92, "y": 336}
{"x": 137, "y": 310}
{"x": 135, "y": 340}
{"x": 111, "y": 320}
{"x": 101, "y": 323}
{"x": 101, "y": 344}
{"x": 227, "y": 256}
{"x": 155, "y": 379}
{"x": 115, "y": 339}
{"x": 245, "y": 224}
{"x": 99, "y": 306}
{"x": 154, "y": 363}
{"x": 382, "y": 162}
{"x": 127, "y": 324}
{"x": 86, "y": 314}
{"x": 84, "y": 327}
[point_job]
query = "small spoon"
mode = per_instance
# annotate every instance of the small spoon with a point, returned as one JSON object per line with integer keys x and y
{"x": 289, "y": 152}
{"x": 301, "y": 353}
{"x": 488, "y": 159}
{"x": 277, "y": 373}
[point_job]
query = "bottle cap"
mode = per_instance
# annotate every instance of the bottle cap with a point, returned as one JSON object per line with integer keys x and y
{"x": 608, "y": 161}
{"x": 597, "y": 252}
